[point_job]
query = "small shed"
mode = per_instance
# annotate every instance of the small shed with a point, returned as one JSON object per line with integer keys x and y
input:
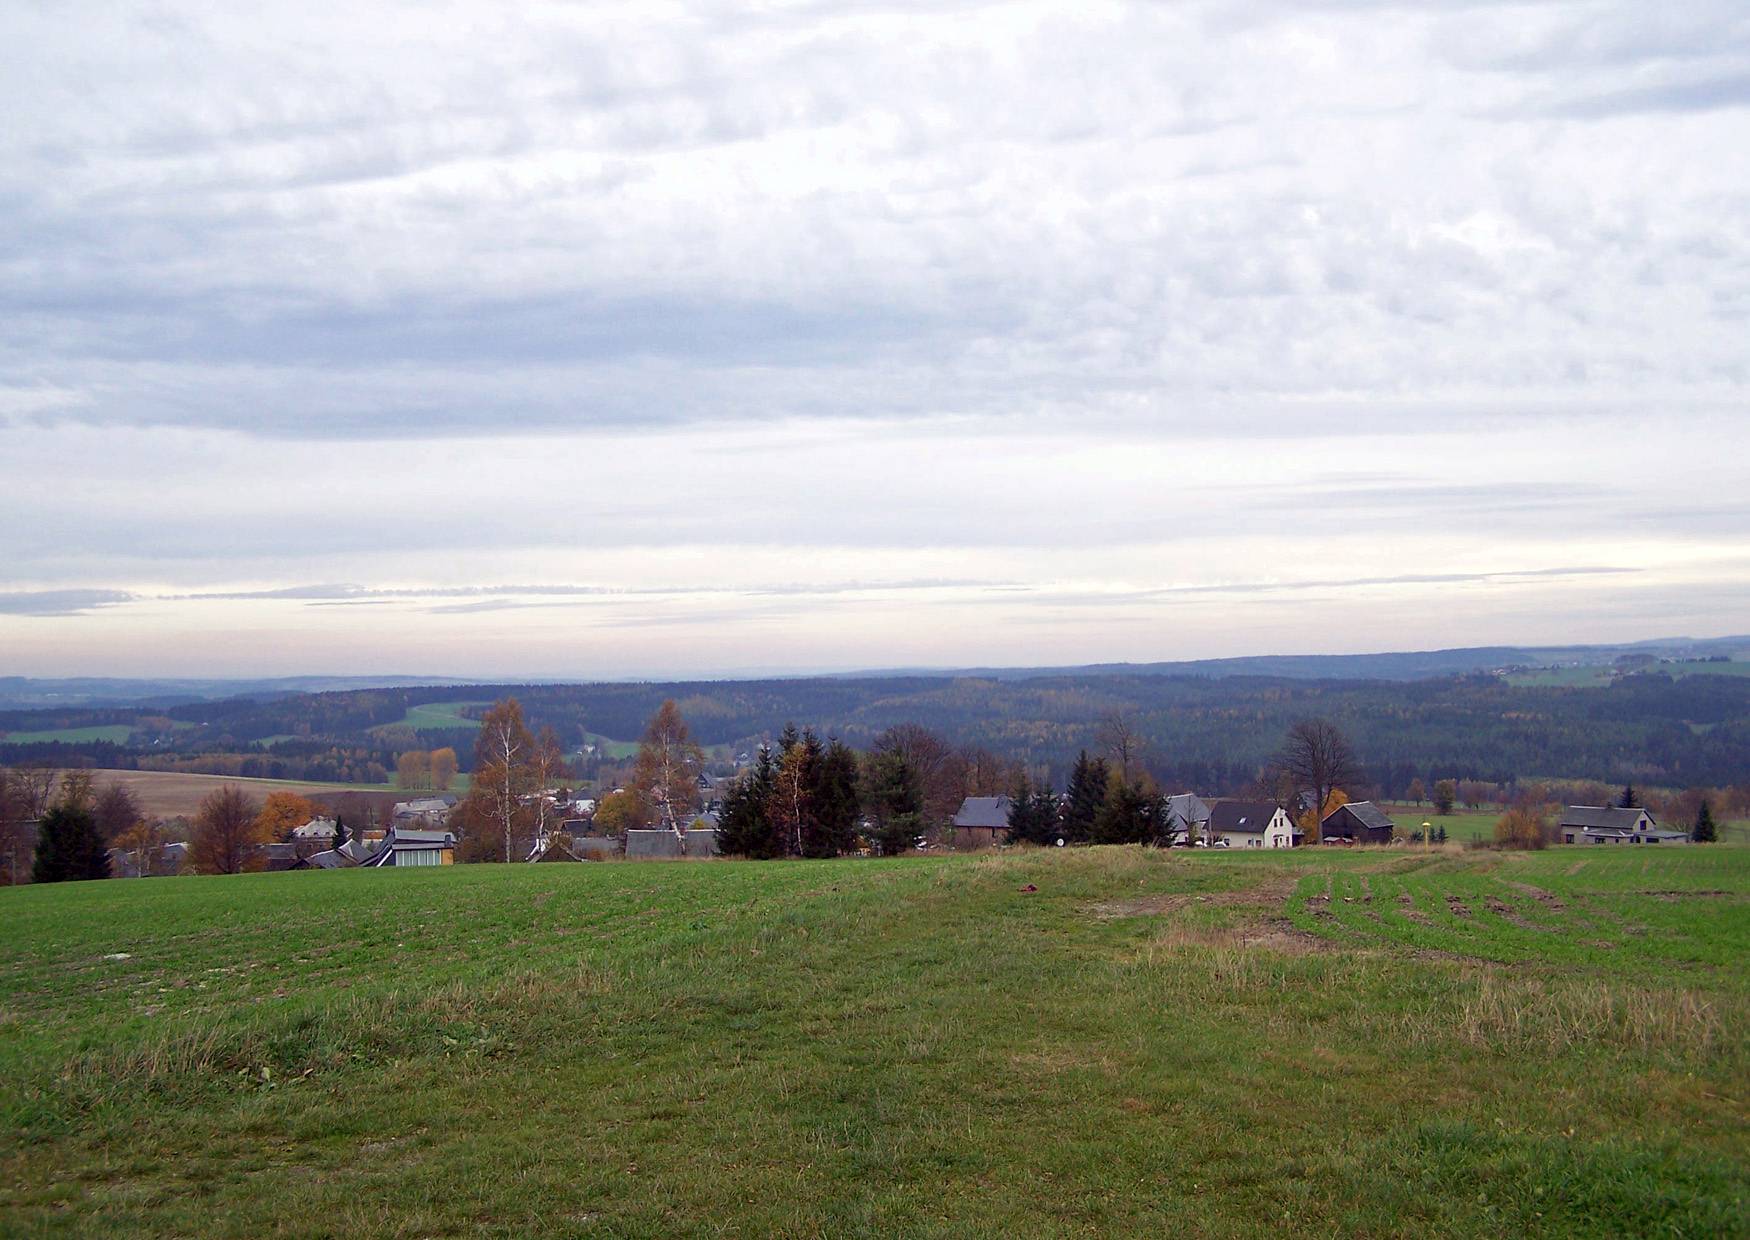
{"x": 982, "y": 822}
{"x": 1358, "y": 822}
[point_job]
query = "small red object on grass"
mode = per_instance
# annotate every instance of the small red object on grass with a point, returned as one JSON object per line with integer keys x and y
{"x": 1029, "y": 887}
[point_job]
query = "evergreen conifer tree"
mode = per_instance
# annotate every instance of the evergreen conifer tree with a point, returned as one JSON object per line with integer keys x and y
{"x": 1629, "y": 800}
{"x": 1086, "y": 793}
{"x": 1705, "y": 832}
{"x": 1033, "y": 815}
{"x": 834, "y": 797}
{"x": 69, "y": 847}
{"x": 339, "y": 831}
{"x": 744, "y": 827}
{"x": 1130, "y": 815}
{"x": 895, "y": 800}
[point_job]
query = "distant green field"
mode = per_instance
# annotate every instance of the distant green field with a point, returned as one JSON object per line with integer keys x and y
{"x": 1587, "y": 677}
{"x": 438, "y": 716}
{"x": 116, "y": 733}
{"x": 1597, "y": 675}
{"x": 1110, "y": 1042}
{"x": 1461, "y": 824}
{"x": 608, "y": 747}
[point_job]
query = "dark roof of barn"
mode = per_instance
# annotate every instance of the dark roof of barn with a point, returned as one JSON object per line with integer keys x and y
{"x": 1365, "y": 812}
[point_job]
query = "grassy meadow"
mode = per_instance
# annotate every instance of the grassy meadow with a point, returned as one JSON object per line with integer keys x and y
{"x": 1083, "y": 1042}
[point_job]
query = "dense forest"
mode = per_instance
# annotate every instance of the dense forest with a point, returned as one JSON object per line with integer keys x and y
{"x": 1201, "y": 732}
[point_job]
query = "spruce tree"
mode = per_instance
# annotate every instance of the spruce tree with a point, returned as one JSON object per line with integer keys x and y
{"x": 744, "y": 827}
{"x": 1705, "y": 831}
{"x": 836, "y": 808}
{"x": 69, "y": 847}
{"x": 1130, "y": 815}
{"x": 339, "y": 831}
{"x": 894, "y": 797}
{"x": 1086, "y": 793}
{"x": 1033, "y": 815}
{"x": 1629, "y": 800}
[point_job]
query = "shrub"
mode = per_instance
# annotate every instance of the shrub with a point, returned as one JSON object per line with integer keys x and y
{"x": 1524, "y": 826}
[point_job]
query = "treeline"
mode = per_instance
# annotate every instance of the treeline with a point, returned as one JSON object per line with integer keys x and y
{"x": 1211, "y": 734}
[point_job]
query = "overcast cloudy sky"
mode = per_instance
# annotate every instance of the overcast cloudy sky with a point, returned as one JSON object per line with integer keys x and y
{"x": 597, "y": 339}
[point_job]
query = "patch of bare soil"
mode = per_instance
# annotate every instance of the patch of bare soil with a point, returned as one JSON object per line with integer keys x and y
{"x": 1543, "y": 897}
{"x": 1457, "y": 907}
{"x": 1692, "y": 895}
{"x": 1507, "y": 913}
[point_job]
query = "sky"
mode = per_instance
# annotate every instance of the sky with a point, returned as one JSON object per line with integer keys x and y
{"x": 600, "y": 340}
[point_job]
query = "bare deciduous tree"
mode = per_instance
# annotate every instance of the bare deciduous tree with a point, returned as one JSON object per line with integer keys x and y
{"x": 502, "y": 774}
{"x": 1119, "y": 738}
{"x": 1319, "y": 759}
{"x": 226, "y": 833}
{"x": 667, "y": 776}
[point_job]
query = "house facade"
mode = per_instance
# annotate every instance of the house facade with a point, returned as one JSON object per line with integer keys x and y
{"x": 1611, "y": 824}
{"x": 1252, "y": 824}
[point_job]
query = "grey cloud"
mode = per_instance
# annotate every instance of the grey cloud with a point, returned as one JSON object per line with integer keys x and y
{"x": 1703, "y": 95}
{"x": 59, "y": 602}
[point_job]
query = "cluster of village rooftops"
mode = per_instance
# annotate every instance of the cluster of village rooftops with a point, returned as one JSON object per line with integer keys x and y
{"x": 419, "y": 834}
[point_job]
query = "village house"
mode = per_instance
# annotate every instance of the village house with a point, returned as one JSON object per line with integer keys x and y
{"x": 1187, "y": 809}
{"x": 1252, "y": 824}
{"x": 424, "y": 812}
{"x": 1610, "y": 824}
{"x": 982, "y": 822}
{"x": 314, "y": 836}
{"x": 160, "y": 862}
{"x": 1358, "y": 822}
{"x": 406, "y": 846}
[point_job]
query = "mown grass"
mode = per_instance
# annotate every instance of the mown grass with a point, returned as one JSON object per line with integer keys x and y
{"x": 114, "y": 733}
{"x": 437, "y": 717}
{"x": 1146, "y": 1043}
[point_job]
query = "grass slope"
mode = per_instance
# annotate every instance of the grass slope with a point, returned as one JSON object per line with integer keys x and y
{"x": 1147, "y": 1044}
{"x": 437, "y": 717}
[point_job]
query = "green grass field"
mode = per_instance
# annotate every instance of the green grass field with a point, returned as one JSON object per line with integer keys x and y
{"x": 1461, "y": 825}
{"x": 1087, "y": 1042}
{"x": 1594, "y": 676}
{"x": 438, "y": 716}
{"x": 115, "y": 733}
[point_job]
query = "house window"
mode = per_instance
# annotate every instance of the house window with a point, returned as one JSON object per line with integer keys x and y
{"x": 1568, "y": 838}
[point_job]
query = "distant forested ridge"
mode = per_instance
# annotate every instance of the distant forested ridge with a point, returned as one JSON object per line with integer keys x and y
{"x": 1200, "y": 731}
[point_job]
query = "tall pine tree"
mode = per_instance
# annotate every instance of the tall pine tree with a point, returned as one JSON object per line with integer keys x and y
{"x": 1131, "y": 814}
{"x": 744, "y": 827}
{"x": 894, "y": 797}
{"x": 1629, "y": 800}
{"x": 69, "y": 847}
{"x": 836, "y": 808}
{"x": 1033, "y": 818}
{"x": 1086, "y": 794}
{"x": 1704, "y": 832}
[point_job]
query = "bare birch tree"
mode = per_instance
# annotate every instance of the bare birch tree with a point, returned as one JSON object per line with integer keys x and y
{"x": 667, "y": 775}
